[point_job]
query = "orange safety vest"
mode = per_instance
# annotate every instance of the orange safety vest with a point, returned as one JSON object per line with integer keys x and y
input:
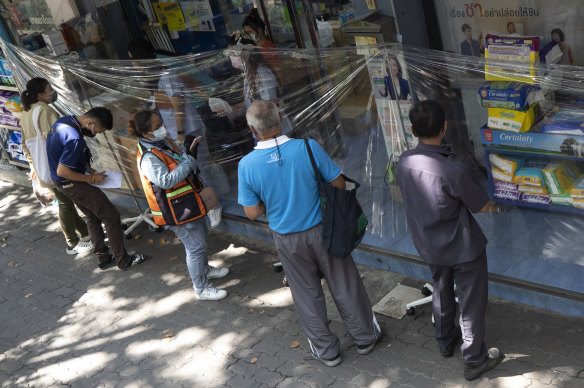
{"x": 175, "y": 206}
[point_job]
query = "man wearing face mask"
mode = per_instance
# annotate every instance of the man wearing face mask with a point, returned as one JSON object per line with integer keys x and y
{"x": 69, "y": 161}
{"x": 37, "y": 118}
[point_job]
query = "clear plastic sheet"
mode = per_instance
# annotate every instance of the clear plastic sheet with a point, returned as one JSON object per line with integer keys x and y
{"x": 346, "y": 100}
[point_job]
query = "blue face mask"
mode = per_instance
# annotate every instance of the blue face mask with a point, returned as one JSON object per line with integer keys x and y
{"x": 160, "y": 134}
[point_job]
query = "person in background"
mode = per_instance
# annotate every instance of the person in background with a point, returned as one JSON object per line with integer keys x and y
{"x": 511, "y": 28}
{"x": 174, "y": 101}
{"x": 440, "y": 194}
{"x": 69, "y": 162}
{"x": 35, "y": 100}
{"x": 164, "y": 166}
{"x": 277, "y": 180}
{"x": 254, "y": 29}
{"x": 567, "y": 56}
{"x": 259, "y": 81}
{"x": 470, "y": 46}
{"x": 396, "y": 87}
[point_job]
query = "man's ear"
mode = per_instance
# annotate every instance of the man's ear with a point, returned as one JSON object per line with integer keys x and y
{"x": 253, "y": 131}
{"x": 412, "y": 130}
{"x": 445, "y": 126}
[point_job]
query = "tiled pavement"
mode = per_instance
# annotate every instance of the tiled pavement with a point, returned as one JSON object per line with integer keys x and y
{"x": 63, "y": 322}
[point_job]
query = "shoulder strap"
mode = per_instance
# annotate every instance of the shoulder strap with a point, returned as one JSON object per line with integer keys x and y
{"x": 316, "y": 172}
{"x": 35, "y": 119}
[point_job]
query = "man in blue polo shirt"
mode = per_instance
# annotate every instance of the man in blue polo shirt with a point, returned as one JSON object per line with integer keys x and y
{"x": 69, "y": 161}
{"x": 277, "y": 179}
{"x": 439, "y": 195}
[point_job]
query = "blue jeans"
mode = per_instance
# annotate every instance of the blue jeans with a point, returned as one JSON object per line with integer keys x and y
{"x": 194, "y": 237}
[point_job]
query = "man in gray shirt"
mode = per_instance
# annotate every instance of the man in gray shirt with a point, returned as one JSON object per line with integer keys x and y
{"x": 439, "y": 195}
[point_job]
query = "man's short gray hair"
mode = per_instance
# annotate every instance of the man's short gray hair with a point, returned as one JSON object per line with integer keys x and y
{"x": 263, "y": 115}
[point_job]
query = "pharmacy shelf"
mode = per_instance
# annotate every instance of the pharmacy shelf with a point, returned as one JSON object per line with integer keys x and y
{"x": 10, "y": 127}
{"x": 8, "y": 87}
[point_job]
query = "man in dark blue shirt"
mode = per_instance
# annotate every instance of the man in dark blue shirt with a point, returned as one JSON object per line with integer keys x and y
{"x": 69, "y": 162}
{"x": 439, "y": 195}
{"x": 470, "y": 46}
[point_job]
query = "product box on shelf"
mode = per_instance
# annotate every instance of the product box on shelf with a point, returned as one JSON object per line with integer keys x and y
{"x": 506, "y": 95}
{"x": 566, "y": 121}
{"x": 512, "y": 48}
{"x": 514, "y": 120}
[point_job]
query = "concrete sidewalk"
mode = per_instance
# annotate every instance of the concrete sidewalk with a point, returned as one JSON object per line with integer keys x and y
{"x": 63, "y": 322}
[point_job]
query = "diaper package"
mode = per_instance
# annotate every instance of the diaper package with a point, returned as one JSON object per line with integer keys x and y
{"x": 556, "y": 177}
{"x": 501, "y": 175}
{"x": 14, "y": 105}
{"x": 531, "y": 172}
{"x": 536, "y": 199}
{"x": 512, "y": 48}
{"x": 514, "y": 120}
{"x": 537, "y": 190}
{"x": 507, "y": 195}
{"x": 566, "y": 121}
{"x": 502, "y": 185}
{"x": 508, "y": 163}
{"x": 578, "y": 189}
{"x": 562, "y": 199}
{"x": 574, "y": 169}
{"x": 507, "y": 95}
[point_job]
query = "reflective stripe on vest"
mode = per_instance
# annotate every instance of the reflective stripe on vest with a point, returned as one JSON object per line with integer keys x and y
{"x": 177, "y": 205}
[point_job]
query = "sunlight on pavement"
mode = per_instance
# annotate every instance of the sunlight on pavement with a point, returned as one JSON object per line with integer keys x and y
{"x": 68, "y": 370}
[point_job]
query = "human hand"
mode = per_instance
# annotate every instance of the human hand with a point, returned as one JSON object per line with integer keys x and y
{"x": 31, "y": 175}
{"x": 196, "y": 141}
{"x": 99, "y": 177}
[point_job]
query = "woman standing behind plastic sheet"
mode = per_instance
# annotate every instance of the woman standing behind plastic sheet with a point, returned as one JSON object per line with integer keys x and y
{"x": 169, "y": 180}
{"x": 259, "y": 81}
{"x": 38, "y": 115}
{"x": 254, "y": 29}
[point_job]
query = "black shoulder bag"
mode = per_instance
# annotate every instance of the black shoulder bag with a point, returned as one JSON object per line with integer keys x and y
{"x": 343, "y": 220}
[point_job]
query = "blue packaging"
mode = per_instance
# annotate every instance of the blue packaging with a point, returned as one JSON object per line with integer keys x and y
{"x": 506, "y": 95}
{"x": 566, "y": 121}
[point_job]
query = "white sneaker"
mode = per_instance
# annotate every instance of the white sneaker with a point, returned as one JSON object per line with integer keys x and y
{"x": 81, "y": 247}
{"x": 215, "y": 215}
{"x": 211, "y": 293}
{"x": 214, "y": 272}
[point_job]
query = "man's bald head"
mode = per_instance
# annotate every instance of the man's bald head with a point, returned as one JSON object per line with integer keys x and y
{"x": 264, "y": 117}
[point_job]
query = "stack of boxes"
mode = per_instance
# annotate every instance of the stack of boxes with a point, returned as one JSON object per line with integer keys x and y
{"x": 55, "y": 42}
{"x": 509, "y": 93}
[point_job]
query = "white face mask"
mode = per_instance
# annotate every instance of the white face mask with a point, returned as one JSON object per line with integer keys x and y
{"x": 236, "y": 62}
{"x": 159, "y": 134}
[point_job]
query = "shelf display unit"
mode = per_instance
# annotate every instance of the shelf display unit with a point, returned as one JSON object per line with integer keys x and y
{"x": 6, "y": 132}
{"x": 542, "y": 146}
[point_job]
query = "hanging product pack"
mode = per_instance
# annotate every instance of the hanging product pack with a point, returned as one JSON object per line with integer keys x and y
{"x": 343, "y": 220}
{"x": 38, "y": 149}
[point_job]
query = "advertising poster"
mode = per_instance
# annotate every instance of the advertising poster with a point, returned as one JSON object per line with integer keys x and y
{"x": 198, "y": 15}
{"x": 169, "y": 13}
{"x": 393, "y": 98}
{"x": 465, "y": 24}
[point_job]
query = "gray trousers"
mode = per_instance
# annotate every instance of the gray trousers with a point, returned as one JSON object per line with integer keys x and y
{"x": 472, "y": 290}
{"x": 303, "y": 256}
